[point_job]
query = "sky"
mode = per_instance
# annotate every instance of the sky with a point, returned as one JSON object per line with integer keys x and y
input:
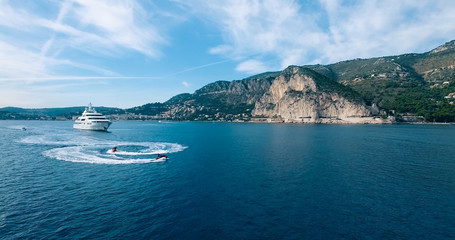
{"x": 126, "y": 53}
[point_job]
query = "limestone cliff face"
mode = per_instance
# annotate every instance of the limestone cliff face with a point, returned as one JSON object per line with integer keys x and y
{"x": 296, "y": 94}
{"x": 299, "y": 94}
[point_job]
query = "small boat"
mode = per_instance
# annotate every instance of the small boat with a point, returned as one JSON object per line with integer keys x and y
{"x": 161, "y": 157}
{"x": 92, "y": 120}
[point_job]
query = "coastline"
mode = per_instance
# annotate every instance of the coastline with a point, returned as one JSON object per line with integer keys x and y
{"x": 375, "y": 121}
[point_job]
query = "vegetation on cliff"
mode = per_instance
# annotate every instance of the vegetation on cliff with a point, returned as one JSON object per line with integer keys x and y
{"x": 405, "y": 85}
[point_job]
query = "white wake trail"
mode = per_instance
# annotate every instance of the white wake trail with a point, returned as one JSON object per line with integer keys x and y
{"x": 88, "y": 149}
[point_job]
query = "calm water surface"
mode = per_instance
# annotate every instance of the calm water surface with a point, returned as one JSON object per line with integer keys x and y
{"x": 227, "y": 181}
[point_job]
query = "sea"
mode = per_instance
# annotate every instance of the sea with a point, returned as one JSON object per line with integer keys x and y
{"x": 226, "y": 181}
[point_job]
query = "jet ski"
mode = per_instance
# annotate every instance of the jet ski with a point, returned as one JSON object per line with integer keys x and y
{"x": 161, "y": 157}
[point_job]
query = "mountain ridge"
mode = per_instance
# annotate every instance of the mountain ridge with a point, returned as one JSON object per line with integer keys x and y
{"x": 387, "y": 86}
{"x": 421, "y": 85}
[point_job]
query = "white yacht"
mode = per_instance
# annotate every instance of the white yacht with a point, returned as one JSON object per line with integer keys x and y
{"x": 92, "y": 120}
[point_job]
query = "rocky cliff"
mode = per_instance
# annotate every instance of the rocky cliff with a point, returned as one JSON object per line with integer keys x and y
{"x": 410, "y": 86}
{"x": 301, "y": 95}
{"x": 349, "y": 91}
{"x": 296, "y": 94}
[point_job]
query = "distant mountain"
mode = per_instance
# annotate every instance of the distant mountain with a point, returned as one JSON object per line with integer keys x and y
{"x": 50, "y": 113}
{"x": 379, "y": 79}
{"x": 416, "y": 84}
{"x": 296, "y": 94}
{"x": 406, "y": 87}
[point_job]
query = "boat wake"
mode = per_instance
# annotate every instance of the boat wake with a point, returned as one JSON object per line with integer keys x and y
{"x": 86, "y": 149}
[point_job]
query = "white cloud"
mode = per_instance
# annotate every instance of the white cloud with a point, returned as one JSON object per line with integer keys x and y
{"x": 386, "y": 27}
{"x": 294, "y": 32}
{"x": 264, "y": 29}
{"x": 252, "y": 67}
{"x": 124, "y": 23}
{"x": 18, "y": 63}
{"x": 33, "y": 44}
{"x": 85, "y": 40}
{"x": 185, "y": 83}
{"x": 10, "y": 17}
{"x": 267, "y": 27}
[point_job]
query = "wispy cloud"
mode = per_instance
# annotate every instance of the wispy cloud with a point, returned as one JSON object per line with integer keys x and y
{"x": 270, "y": 28}
{"x": 251, "y": 67}
{"x": 125, "y": 23}
{"x": 106, "y": 25}
{"x": 101, "y": 42}
{"x": 18, "y": 63}
{"x": 268, "y": 34}
{"x": 73, "y": 78}
{"x": 196, "y": 68}
{"x": 290, "y": 32}
{"x": 94, "y": 27}
{"x": 386, "y": 27}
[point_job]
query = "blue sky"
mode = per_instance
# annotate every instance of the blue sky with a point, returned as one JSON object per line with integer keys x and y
{"x": 60, "y": 53}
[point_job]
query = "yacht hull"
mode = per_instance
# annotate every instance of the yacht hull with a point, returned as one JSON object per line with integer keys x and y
{"x": 92, "y": 126}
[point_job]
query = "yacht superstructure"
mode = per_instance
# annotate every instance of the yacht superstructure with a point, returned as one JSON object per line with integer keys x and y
{"x": 92, "y": 120}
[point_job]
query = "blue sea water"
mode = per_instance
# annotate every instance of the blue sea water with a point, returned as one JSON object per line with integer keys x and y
{"x": 227, "y": 181}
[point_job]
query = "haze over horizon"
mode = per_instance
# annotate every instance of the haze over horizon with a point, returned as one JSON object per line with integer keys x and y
{"x": 128, "y": 53}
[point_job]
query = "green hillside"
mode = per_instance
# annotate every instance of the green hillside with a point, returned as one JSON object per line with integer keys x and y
{"x": 405, "y": 85}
